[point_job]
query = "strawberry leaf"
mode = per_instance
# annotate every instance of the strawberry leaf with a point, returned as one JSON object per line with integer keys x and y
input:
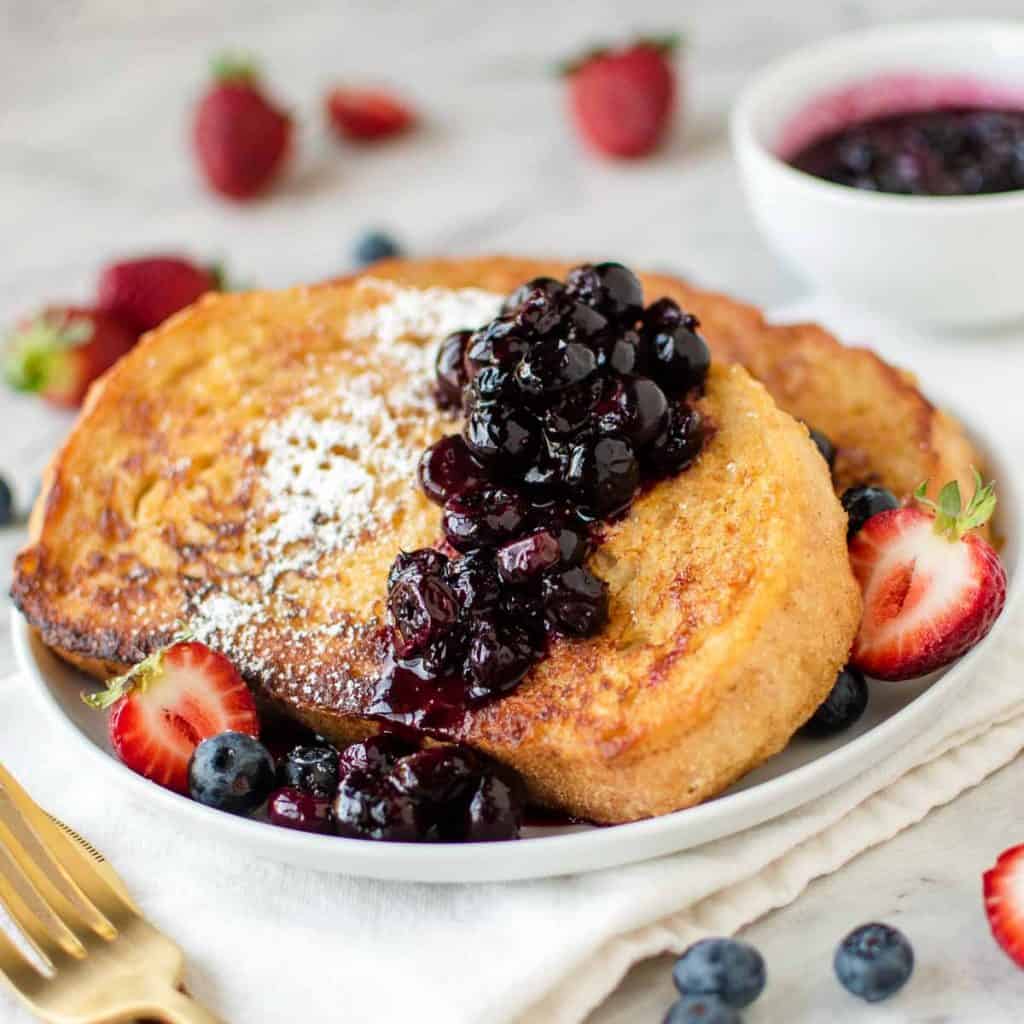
{"x": 235, "y": 67}
{"x": 138, "y": 677}
{"x": 35, "y": 354}
{"x": 952, "y": 520}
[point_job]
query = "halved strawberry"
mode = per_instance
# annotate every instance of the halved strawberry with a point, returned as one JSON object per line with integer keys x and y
{"x": 1003, "y": 885}
{"x": 932, "y": 589}
{"x": 365, "y": 115}
{"x": 166, "y": 705}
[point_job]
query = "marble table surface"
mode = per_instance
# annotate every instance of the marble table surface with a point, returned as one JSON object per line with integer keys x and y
{"x": 94, "y": 163}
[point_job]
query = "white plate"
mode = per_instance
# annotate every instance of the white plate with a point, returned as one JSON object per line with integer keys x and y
{"x": 806, "y": 770}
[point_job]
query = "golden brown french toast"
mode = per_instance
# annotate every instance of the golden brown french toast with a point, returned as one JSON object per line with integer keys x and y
{"x": 248, "y": 472}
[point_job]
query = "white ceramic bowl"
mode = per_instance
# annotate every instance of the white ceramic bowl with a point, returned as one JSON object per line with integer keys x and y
{"x": 951, "y": 261}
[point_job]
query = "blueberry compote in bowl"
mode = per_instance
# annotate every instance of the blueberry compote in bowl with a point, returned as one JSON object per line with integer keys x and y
{"x": 888, "y": 167}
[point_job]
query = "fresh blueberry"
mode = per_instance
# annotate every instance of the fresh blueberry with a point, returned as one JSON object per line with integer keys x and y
{"x": 874, "y": 962}
{"x": 374, "y": 246}
{"x": 825, "y": 446}
{"x": 6, "y": 503}
{"x": 733, "y": 971}
{"x": 311, "y": 769}
{"x": 702, "y": 1010}
{"x": 295, "y": 808}
{"x": 861, "y": 503}
{"x": 842, "y": 707}
{"x": 232, "y": 772}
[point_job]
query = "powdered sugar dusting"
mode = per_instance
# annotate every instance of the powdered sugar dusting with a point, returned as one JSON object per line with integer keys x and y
{"x": 336, "y": 467}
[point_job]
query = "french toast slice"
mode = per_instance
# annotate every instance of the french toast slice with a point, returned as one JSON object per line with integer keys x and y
{"x": 248, "y": 472}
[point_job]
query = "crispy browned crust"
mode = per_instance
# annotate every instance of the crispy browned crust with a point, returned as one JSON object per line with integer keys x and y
{"x": 732, "y": 602}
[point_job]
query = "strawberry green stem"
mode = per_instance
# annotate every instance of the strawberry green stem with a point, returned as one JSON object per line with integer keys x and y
{"x": 952, "y": 520}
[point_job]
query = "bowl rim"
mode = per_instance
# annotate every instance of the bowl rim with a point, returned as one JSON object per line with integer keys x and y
{"x": 747, "y": 142}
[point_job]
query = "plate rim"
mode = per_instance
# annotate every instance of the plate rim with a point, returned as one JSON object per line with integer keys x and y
{"x": 574, "y": 852}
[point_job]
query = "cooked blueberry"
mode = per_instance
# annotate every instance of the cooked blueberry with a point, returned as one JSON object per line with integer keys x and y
{"x": 436, "y": 775}
{"x": 6, "y": 503}
{"x": 575, "y": 601}
{"x": 733, "y": 971}
{"x": 548, "y": 285}
{"x": 842, "y": 707}
{"x": 679, "y": 443}
{"x": 861, "y": 503}
{"x": 628, "y": 354}
{"x": 295, "y": 808}
{"x": 448, "y": 468}
{"x": 665, "y": 313}
{"x": 490, "y": 384}
{"x": 541, "y": 312}
{"x": 702, "y": 1010}
{"x": 522, "y": 559}
{"x": 634, "y": 407}
{"x": 610, "y": 288}
{"x": 874, "y": 962}
{"x": 369, "y": 806}
{"x": 523, "y": 607}
{"x": 474, "y": 578}
{"x": 311, "y": 769}
{"x": 554, "y": 365}
{"x": 824, "y": 445}
{"x": 422, "y": 609}
{"x": 548, "y": 470}
{"x": 232, "y": 772}
{"x": 376, "y": 754}
{"x": 500, "y": 343}
{"x": 497, "y": 430}
{"x": 374, "y": 246}
{"x": 495, "y": 811}
{"x": 679, "y": 357}
{"x": 569, "y": 410}
{"x": 585, "y": 325}
{"x": 451, "y": 370}
{"x": 604, "y": 474}
{"x": 422, "y": 561}
{"x": 573, "y": 544}
{"x": 483, "y": 517}
{"x": 499, "y": 656}
{"x": 440, "y": 657}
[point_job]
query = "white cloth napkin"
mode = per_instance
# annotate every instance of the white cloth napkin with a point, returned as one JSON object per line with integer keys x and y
{"x": 268, "y": 943}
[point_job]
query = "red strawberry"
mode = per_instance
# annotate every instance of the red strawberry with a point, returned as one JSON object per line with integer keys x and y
{"x": 932, "y": 589}
{"x": 621, "y": 99}
{"x": 366, "y": 115}
{"x": 241, "y": 138}
{"x": 143, "y": 293}
{"x": 168, "y": 704}
{"x": 61, "y": 352}
{"x": 1003, "y": 885}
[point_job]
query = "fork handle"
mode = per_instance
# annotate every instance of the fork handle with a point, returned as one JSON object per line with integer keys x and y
{"x": 174, "y": 1007}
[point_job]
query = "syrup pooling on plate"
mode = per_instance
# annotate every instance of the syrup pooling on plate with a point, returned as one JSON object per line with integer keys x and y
{"x": 572, "y": 398}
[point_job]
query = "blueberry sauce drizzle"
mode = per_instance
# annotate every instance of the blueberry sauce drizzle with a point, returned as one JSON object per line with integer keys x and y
{"x": 573, "y": 398}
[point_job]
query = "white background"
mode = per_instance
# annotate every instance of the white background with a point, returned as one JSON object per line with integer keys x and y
{"x": 94, "y": 163}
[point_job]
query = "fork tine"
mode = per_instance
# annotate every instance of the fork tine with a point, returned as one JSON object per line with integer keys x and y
{"x": 41, "y": 927}
{"x": 21, "y": 973}
{"x": 33, "y": 850}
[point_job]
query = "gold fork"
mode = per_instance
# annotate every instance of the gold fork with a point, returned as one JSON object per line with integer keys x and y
{"x": 97, "y": 960}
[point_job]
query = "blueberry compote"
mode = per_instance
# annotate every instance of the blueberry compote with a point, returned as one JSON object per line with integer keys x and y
{"x": 572, "y": 398}
{"x": 949, "y": 152}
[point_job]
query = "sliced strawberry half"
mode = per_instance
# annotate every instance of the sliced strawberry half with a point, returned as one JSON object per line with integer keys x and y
{"x": 1003, "y": 885}
{"x": 365, "y": 115}
{"x": 168, "y": 704}
{"x": 932, "y": 589}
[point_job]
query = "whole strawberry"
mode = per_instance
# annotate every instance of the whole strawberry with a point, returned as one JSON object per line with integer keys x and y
{"x": 932, "y": 588}
{"x": 63, "y": 350}
{"x": 367, "y": 115}
{"x": 241, "y": 138}
{"x": 621, "y": 100}
{"x": 143, "y": 293}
